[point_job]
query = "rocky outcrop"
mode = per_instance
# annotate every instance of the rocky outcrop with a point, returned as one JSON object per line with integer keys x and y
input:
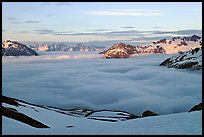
{"x": 191, "y": 59}
{"x": 196, "y": 108}
{"x": 110, "y": 115}
{"x": 14, "y": 48}
{"x": 148, "y": 113}
{"x": 13, "y": 114}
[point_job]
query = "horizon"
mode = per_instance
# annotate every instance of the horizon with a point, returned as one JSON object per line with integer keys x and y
{"x": 105, "y": 21}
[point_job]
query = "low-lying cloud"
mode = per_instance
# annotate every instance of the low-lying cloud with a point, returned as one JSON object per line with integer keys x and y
{"x": 45, "y": 57}
{"x": 87, "y": 80}
{"x": 28, "y": 22}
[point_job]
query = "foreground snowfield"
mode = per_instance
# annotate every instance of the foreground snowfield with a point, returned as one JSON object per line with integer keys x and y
{"x": 60, "y": 124}
{"x": 86, "y": 80}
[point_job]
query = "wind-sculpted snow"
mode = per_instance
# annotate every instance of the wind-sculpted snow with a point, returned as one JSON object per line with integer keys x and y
{"x": 134, "y": 85}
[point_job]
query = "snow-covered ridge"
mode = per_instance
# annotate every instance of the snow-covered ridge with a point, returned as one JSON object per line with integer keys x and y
{"x": 191, "y": 59}
{"x": 163, "y": 46}
{"x": 121, "y": 50}
{"x": 178, "y": 44}
{"x": 14, "y": 48}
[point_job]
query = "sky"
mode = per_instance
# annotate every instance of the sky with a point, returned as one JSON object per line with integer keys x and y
{"x": 99, "y": 21}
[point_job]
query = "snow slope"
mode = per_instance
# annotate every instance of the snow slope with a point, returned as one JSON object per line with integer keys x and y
{"x": 62, "y": 124}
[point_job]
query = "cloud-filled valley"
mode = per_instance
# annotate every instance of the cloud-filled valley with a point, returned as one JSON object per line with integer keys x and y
{"x": 87, "y": 80}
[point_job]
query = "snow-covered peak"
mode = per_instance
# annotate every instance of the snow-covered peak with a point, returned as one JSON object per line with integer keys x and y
{"x": 178, "y": 44}
{"x": 191, "y": 59}
{"x": 8, "y": 43}
{"x": 14, "y": 48}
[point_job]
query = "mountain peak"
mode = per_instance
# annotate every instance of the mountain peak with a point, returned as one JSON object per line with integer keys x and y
{"x": 15, "y": 48}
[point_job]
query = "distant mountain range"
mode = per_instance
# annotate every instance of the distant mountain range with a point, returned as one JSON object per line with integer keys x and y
{"x": 163, "y": 46}
{"x": 64, "y": 47}
{"x": 119, "y": 50}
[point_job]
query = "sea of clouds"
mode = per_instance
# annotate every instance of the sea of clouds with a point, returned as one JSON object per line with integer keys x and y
{"x": 86, "y": 80}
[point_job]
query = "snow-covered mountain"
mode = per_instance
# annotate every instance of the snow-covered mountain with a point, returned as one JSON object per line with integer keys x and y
{"x": 49, "y": 47}
{"x": 191, "y": 59}
{"x": 121, "y": 50}
{"x": 80, "y": 47}
{"x": 177, "y": 44}
{"x": 14, "y": 48}
{"x": 20, "y": 117}
{"x": 163, "y": 46}
{"x": 64, "y": 47}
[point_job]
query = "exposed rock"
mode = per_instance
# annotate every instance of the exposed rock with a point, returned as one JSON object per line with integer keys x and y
{"x": 193, "y": 38}
{"x": 14, "y": 48}
{"x": 196, "y": 108}
{"x": 102, "y": 52}
{"x": 177, "y": 44}
{"x": 160, "y": 41}
{"x": 191, "y": 59}
{"x": 150, "y": 49}
{"x": 10, "y": 113}
{"x": 148, "y": 113}
{"x": 10, "y": 101}
{"x": 102, "y": 115}
{"x": 110, "y": 115}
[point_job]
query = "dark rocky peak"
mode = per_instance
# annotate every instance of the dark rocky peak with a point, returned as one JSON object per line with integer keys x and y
{"x": 175, "y": 38}
{"x": 160, "y": 41}
{"x": 192, "y": 38}
{"x": 195, "y": 38}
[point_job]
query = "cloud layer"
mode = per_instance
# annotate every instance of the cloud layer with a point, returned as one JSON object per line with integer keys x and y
{"x": 70, "y": 80}
{"x": 125, "y": 12}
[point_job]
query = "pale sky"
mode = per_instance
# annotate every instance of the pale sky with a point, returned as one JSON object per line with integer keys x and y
{"x": 99, "y": 21}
